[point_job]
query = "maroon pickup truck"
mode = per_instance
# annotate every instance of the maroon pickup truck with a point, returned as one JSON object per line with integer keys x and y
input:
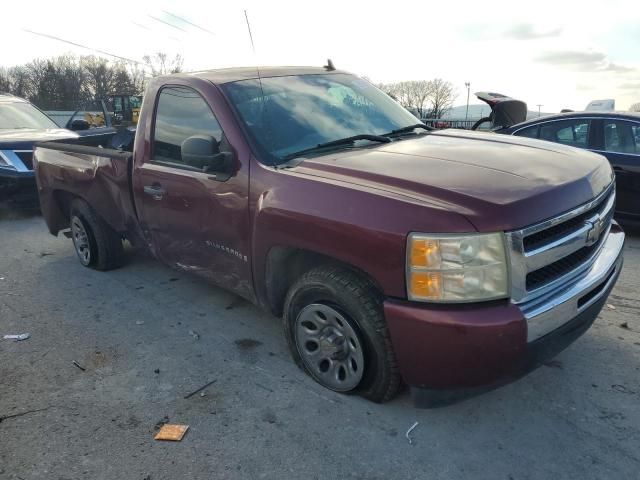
{"x": 451, "y": 261}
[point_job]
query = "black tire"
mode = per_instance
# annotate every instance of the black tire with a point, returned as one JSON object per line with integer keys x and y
{"x": 105, "y": 251}
{"x": 361, "y": 305}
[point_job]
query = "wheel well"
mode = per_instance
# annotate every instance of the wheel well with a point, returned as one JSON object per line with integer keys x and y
{"x": 63, "y": 203}
{"x": 286, "y": 264}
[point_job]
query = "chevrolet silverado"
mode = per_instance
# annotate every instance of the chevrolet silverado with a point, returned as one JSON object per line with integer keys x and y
{"x": 451, "y": 261}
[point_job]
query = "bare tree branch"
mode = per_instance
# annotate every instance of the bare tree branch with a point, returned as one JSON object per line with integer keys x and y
{"x": 67, "y": 82}
{"x": 423, "y": 98}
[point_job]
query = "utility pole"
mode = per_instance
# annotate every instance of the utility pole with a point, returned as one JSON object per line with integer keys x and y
{"x": 539, "y": 105}
{"x": 466, "y": 114}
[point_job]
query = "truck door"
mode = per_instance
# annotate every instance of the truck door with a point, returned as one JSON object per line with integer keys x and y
{"x": 193, "y": 220}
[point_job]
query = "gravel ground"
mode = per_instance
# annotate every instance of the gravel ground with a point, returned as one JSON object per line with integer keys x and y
{"x": 147, "y": 336}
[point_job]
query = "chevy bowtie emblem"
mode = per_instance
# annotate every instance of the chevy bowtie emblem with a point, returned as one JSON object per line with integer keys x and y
{"x": 597, "y": 226}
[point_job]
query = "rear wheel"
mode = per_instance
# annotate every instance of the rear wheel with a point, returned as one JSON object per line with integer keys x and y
{"x": 336, "y": 331}
{"x": 81, "y": 241}
{"x": 97, "y": 245}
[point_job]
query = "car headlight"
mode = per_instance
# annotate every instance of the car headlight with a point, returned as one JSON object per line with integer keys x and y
{"x": 456, "y": 268}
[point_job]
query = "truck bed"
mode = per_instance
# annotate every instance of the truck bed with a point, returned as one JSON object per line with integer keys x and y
{"x": 100, "y": 176}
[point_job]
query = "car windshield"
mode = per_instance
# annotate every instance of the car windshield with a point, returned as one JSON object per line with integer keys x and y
{"x": 289, "y": 114}
{"x": 15, "y": 115}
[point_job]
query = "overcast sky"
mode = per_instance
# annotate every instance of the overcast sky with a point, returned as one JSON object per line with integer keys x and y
{"x": 561, "y": 54}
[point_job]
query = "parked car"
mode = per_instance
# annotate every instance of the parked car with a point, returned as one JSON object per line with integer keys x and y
{"x": 21, "y": 125}
{"x": 616, "y": 135}
{"x": 453, "y": 261}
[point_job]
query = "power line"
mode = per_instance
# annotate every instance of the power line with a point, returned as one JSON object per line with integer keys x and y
{"x": 190, "y": 23}
{"x": 53, "y": 37}
{"x": 167, "y": 23}
{"x": 139, "y": 25}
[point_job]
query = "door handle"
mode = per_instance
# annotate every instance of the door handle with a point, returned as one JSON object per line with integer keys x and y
{"x": 156, "y": 191}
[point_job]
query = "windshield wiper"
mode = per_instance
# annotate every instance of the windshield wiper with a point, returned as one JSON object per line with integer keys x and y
{"x": 340, "y": 142}
{"x": 409, "y": 128}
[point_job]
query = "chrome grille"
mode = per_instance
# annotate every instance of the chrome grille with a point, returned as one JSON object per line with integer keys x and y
{"x": 546, "y": 256}
{"x": 538, "y": 278}
{"x": 548, "y": 235}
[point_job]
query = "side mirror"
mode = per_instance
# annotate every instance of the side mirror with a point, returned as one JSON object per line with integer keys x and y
{"x": 202, "y": 152}
{"x": 79, "y": 124}
{"x": 199, "y": 151}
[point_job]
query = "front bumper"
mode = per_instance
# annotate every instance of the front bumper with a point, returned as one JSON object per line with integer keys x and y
{"x": 18, "y": 188}
{"x": 446, "y": 352}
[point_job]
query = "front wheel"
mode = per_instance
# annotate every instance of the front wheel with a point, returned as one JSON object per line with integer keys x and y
{"x": 336, "y": 331}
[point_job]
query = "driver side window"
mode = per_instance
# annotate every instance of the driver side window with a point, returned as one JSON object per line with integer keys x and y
{"x": 621, "y": 136}
{"x": 180, "y": 113}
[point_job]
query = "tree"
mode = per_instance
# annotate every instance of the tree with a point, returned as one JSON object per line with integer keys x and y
{"x": 69, "y": 82}
{"x": 137, "y": 75}
{"x": 44, "y": 84}
{"x": 424, "y": 98}
{"x": 20, "y": 81}
{"x": 161, "y": 64}
{"x": 416, "y": 94}
{"x": 413, "y": 95}
{"x": 99, "y": 76}
{"x": 122, "y": 83}
{"x": 5, "y": 81}
{"x": 441, "y": 97}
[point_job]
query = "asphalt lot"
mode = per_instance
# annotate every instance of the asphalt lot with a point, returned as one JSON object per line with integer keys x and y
{"x": 134, "y": 331}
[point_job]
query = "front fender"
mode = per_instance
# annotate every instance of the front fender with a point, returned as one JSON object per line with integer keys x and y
{"x": 360, "y": 227}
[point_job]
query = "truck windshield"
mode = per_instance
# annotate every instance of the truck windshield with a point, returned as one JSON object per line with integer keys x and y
{"x": 16, "y": 115}
{"x": 293, "y": 113}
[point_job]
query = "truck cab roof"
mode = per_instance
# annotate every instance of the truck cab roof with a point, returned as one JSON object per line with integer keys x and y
{"x": 227, "y": 75}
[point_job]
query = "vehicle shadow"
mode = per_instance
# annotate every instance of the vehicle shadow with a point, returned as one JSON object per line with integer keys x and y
{"x": 10, "y": 211}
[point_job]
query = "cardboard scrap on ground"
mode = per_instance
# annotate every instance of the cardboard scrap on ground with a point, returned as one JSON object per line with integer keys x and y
{"x": 171, "y": 432}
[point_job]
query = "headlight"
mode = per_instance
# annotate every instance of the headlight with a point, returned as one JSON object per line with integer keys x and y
{"x": 456, "y": 268}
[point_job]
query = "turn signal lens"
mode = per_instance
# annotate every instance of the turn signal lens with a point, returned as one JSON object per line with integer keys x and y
{"x": 424, "y": 253}
{"x": 426, "y": 285}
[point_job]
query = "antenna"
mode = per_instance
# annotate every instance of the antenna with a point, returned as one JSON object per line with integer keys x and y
{"x": 329, "y": 66}
{"x": 246, "y": 17}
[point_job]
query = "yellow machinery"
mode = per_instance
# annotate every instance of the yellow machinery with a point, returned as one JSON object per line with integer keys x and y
{"x": 126, "y": 109}
{"x": 94, "y": 120}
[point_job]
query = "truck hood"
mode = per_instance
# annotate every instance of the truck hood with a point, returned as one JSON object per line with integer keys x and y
{"x": 497, "y": 182}
{"x": 28, "y": 136}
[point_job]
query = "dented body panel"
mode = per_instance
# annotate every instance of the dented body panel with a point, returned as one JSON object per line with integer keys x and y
{"x": 102, "y": 180}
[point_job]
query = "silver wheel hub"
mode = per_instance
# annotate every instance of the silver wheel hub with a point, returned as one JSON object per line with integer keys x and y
{"x": 80, "y": 240}
{"x": 329, "y": 347}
